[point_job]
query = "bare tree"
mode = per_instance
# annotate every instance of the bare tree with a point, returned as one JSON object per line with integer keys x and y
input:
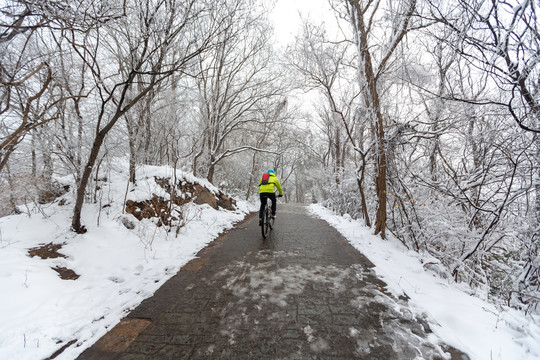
{"x": 503, "y": 40}
{"x": 325, "y": 64}
{"x": 500, "y": 38}
{"x": 263, "y": 134}
{"x": 28, "y": 96}
{"x": 322, "y": 66}
{"x": 236, "y": 85}
{"x": 163, "y": 26}
{"x": 31, "y": 116}
{"x": 375, "y": 56}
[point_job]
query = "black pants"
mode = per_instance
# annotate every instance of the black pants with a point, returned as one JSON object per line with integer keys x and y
{"x": 264, "y": 198}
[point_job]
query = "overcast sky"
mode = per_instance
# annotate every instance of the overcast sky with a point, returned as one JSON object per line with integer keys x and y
{"x": 287, "y": 16}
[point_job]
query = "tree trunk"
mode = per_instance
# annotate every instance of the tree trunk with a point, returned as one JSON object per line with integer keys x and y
{"x": 196, "y": 158}
{"x": 33, "y": 154}
{"x": 300, "y": 199}
{"x": 146, "y": 121}
{"x": 536, "y": 167}
{"x": 211, "y": 170}
{"x": 78, "y": 161}
{"x": 377, "y": 120}
{"x": 132, "y": 152}
{"x": 433, "y": 158}
{"x": 380, "y": 222}
{"x": 371, "y": 98}
{"x": 250, "y": 184}
{"x": 98, "y": 141}
{"x": 132, "y": 166}
{"x": 81, "y": 189}
{"x": 369, "y": 78}
{"x": 48, "y": 167}
{"x": 337, "y": 154}
{"x": 360, "y": 182}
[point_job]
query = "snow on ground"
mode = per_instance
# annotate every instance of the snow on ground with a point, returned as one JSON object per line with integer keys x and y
{"x": 473, "y": 325}
{"x": 118, "y": 267}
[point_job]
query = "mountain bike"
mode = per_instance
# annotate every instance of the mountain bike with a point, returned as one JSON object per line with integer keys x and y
{"x": 267, "y": 220}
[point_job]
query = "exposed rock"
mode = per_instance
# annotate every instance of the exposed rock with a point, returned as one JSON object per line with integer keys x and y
{"x": 157, "y": 207}
{"x": 185, "y": 192}
{"x": 180, "y": 194}
{"x": 128, "y": 223}
{"x": 51, "y": 193}
{"x": 226, "y": 202}
{"x": 204, "y": 196}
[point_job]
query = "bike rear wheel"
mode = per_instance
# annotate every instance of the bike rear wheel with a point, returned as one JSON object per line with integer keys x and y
{"x": 265, "y": 225}
{"x": 269, "y": 218}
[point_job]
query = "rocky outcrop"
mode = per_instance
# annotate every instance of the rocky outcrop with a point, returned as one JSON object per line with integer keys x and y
{"x": 180, "y": 194}
{"x": 157, "y": 207}
{"x": 205, "y": 196}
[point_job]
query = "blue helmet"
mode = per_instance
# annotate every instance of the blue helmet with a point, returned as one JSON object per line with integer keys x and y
{"x": 271, "y": 171}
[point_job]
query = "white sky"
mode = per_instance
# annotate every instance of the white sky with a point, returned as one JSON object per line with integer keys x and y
{"x": 287, "y": 16}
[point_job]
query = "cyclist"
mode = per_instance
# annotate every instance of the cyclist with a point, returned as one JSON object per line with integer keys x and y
{"x": 266, "y": 191}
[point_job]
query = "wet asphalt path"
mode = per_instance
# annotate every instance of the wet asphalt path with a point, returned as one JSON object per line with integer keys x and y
{"x": 303, "y": 293}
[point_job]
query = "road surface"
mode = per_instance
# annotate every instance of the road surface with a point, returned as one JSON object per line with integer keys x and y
{"x": 303, "y": 293}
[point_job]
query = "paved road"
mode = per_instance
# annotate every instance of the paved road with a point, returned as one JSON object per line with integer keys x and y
{"x": 304, "y": 293}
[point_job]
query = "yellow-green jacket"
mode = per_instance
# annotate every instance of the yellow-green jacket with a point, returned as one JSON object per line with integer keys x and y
{"x": 269, "y": 188}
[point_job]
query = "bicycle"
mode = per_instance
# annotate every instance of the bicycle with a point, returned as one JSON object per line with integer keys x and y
{"x": 267, "y": 220}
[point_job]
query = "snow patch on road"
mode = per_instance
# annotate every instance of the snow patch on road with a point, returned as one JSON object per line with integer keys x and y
{"x": 264, "y": 282}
